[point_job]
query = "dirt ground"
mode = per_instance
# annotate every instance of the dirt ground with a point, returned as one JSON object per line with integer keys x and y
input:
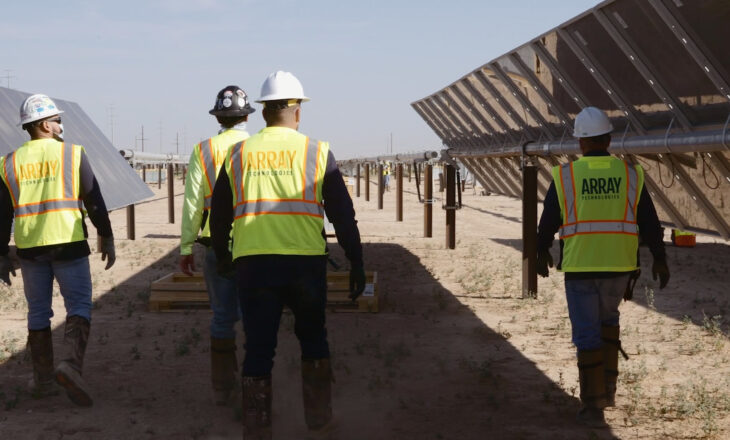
{"x": 455, "y": 353}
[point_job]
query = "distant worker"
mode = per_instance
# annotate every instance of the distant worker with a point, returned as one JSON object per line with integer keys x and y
{"x": 231, "y": 109}
{"x": 45, "y": 182}
{"x": 386, "y": 177}
{"x": 600, "y": 206}
{"x": 275, "y": 188}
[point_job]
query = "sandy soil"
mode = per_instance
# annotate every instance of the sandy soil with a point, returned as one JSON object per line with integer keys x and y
{"x": 456, "y": 353}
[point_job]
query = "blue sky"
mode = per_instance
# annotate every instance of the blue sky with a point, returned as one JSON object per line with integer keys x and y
{"x": 160, "y": 63}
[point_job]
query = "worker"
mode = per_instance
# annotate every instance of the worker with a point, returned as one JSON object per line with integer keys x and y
{"x": 601, "y": 207}
{"x": 231, "y": 109}
{"x": 386, "y": 177}
{"x": 45, "y": 182}
{"x": 274, "y": 191}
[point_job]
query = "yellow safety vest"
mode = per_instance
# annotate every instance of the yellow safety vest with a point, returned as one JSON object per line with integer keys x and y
{"x": 598, "y": 198}
{"x": 43, "y": 179}
{"x": 276, "y": 179}
{"x": 212, "y": 153}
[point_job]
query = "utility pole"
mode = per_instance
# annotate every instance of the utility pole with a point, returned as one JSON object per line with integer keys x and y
{"x": 8, "y": 76}
{"x": 160, "y": 135}
{"x": 391, "y": 142}
{"x": 177, "y": 143}
{"x": 142, "y": 139}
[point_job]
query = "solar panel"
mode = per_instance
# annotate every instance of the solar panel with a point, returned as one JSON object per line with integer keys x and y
{"x": 658, "y": 68}
{"x": 119, "y": 184}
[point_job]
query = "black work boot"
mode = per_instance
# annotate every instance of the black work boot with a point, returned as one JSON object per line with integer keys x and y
{"x": 317, "y": 392}
{"x": 223, "y": 367}
{"x": 611, "y": 346}
{"x": 41, "y": 351}
{"x": 68, "y": 372}
{"x": 592, "y": 388}
{"x": 256, "y": 407}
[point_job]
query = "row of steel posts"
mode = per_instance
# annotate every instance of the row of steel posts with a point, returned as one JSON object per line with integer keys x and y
{"x": 171, "y": 170}
{"x": 529, "y": 210}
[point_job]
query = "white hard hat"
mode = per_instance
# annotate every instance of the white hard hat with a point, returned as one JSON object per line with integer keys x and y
{"x": 590, "y": 122}
{"x": 281, "y": 85}
{"x": 37, "y": 107}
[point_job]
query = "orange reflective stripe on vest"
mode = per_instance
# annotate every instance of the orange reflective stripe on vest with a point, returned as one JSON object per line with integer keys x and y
{"x": 572, "y": 226}
{"x": 70, "y": 199}
{"x": 208, "y": 163}
{"x": 307, "y": 205}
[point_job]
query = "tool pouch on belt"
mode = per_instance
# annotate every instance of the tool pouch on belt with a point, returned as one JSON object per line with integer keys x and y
{"x": 633, "y": 278}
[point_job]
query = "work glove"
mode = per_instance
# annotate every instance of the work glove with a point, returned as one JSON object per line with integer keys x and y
{"x": 357, "y": 282}
{"x": 544, "y": 259}
{"x": 187, "y": 264}
{"x": 107, "y": 251}
{"x": 6, "y": 268}
{"x": 661, "y": 270}
{"x": 224, "y": 267}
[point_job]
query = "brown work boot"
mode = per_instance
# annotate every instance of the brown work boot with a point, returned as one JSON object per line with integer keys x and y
{"x": 41, "y": 351}
{"x": 611, "y": 345}
{"x": 223, "y": 367}
{"x": 592, "y": 388}
{"x": 317, "y": 392}
{"x": 256, "y": 407}
{"x": 68, "y": 372}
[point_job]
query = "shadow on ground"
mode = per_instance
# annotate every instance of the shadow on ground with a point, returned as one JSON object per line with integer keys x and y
{"x": 704, "y": 299}
{"x": 425, "y": 367}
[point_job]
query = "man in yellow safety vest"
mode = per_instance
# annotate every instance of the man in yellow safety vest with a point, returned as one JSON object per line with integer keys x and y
{"x": 600, "y": 207}
{"x": 231, "y": 109}
{"x": 275, "y": 189}
{"x": 45, "y": 182}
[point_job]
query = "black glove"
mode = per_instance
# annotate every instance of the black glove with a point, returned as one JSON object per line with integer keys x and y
{"x": 544, "y": 259}
{"x": 661, "y": 270}
{"x": 224, "y": 267}
{"x": 6, "y": 268}
{"x": 107, "y": 251}
{"x": 357, "y": 282}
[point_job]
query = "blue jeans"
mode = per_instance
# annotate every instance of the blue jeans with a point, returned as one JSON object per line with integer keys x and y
{"x": 593, "y": 303}
{"x": 223, "y": 299}
{"x": 261, "y": 310}
{"x": 74, "y": 280}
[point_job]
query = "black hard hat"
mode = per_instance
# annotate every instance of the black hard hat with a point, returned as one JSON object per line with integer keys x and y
{"x": 230, "y": 102}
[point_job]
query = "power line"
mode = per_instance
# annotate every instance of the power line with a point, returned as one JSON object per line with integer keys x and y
{"x": 8, "y": 76}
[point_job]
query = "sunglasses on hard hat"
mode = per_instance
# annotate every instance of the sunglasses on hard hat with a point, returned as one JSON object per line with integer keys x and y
{"x": 56, "y": 120}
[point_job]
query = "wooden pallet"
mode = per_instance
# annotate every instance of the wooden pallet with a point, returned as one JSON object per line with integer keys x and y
{"x": 338, "y": 289}
{"x": 177, "y": 292}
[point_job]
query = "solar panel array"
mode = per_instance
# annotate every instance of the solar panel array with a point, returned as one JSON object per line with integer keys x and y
{"x": 660, "y": 70}
{"x": 119, "y": 183}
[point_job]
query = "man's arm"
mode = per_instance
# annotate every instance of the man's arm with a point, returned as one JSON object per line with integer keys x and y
{"x": 650, "y": 230}
{"x": 339, "y": 209}
{"x": 6, "y": 218}
{"x": 193, "y": 203}
{"x": 550, "y": 220}
{"x": 221, "y": 216}
{"x": 93, "y": 201}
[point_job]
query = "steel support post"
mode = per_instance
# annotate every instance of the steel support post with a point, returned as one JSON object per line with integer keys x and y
{"x": 450, "y": 174}
{"x": 529, "y": 231}
{"x": 357, "y": 180}
{"x": 381, "y": 189}
{"x": 428, "y": 201}
{"x": 130, "y": 222}
{"x": 399, "y": 193}
{"x": 144, "y": 173}
{"x": 170, "y": 195}
{"x": 159, "y": 176}
{"x": 367, "y": 182}
{"x": 185, "y": 172}
{"x": 409, "y": 173}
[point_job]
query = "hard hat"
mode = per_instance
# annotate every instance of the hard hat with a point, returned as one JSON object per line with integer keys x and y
{"x": 37, "y": 107}
{"x": 281, "y": 85}
{"x": 590, "y": 122}
{"x": 231, "y": 101}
